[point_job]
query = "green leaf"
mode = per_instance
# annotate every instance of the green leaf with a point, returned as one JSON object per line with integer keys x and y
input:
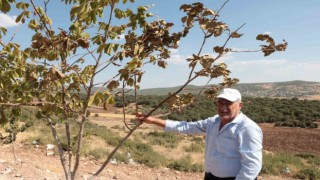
{"x": 2, "y": 31}
{"x": 108, "y": 48}
{"x": 98, "y": 98}
{"x": 136, "y": 49}
{"x": 85, "y": 35}
{"x": 91, "y": 99}
{"x": 101, "y": 48}
{"x": 110, "y": 100}
{"x": 142, "y": 8}
{"x": 5, "y": 6}
{"x": 19, "y": 18}
{"x": 22, "y": 5}
{"x": 119, "y": 14}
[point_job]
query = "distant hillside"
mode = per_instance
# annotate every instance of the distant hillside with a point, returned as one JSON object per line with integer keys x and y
{"x": 289, "y": 89}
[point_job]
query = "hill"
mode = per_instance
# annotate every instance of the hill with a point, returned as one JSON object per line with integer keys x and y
{"x": 289, "y": 89}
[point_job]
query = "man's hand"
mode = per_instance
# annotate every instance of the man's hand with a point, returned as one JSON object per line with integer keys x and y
{"x": 150, "y": 120}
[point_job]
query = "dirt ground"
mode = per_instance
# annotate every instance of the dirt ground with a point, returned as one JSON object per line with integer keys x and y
{"x": 31, "y": 163}
{"x": 296, "y": 140}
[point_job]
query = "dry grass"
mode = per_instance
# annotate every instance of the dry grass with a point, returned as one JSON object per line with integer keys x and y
{"x": 116, "y": 120}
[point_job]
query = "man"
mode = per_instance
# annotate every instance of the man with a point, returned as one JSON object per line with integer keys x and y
{"x": 233, "y": 141}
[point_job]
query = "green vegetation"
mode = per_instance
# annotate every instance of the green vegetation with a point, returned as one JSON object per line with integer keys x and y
{"x": 166, "y": 139}
{"x": 9, "y": 121}
{"x": 185, "y": 164}
{"x": 301, "y": 166}
{"x": 195, "y": 148}
{"x": 284, "y": 112}
{"x": 141, "y": 148}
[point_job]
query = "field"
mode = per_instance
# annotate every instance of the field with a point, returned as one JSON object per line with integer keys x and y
{"x": 32, "y": 163}
{"x": 296, "y": 140}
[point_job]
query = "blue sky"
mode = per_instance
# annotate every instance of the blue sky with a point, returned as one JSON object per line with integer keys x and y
{"x": 296, "y": 21}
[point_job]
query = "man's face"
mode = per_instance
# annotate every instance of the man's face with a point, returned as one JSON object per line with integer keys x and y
{"x": 228, "y": 110}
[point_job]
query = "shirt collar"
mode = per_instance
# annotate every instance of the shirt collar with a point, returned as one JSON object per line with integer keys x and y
{"x": 238, "y": 118}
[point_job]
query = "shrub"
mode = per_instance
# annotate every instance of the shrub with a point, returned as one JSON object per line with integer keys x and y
{"x": 305, "y": 155}
{"x": 167, "y": 139}
{"x": 274, "y": 164}
{"x": 308, "y": 173}
{"x": 198, "y": 140}
{"x": 121, "y": 157}
{"x": 103, "y": 132}
{"x": 99, "y": 153}
{"x": 144, "y": 154}
{"x": 185, "y": 164}
{"x": 197, "y": 167}
{"x": 313, "y": 160}
{"x": 195, "y": 147}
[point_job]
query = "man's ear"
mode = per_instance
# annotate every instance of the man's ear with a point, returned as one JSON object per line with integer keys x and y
{"x": 240, "y": 104}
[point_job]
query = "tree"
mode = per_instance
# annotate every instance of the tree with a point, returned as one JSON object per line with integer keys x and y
{"x": 59, "y": 63}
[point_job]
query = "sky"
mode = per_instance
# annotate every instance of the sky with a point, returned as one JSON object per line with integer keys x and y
{"x": 296, "y": 21}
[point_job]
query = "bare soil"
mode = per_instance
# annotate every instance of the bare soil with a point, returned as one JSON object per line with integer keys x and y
{"x": 31, "y": 163}
{"x": 286, "y": 139}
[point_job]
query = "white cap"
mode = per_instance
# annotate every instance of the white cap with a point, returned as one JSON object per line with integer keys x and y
{"x": 229, "y": 94}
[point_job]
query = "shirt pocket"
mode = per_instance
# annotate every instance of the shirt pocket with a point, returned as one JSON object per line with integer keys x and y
{"x": 228, "y": 147}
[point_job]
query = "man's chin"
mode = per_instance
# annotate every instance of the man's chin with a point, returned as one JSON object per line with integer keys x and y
{"x": 225, "y": 118}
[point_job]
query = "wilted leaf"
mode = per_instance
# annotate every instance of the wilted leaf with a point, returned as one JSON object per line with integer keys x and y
{"x": 209, "y": 12}
{"x": 218, "y": 49}
{"x": 262, "y": 37}
{"x": 113, "y": 85}
{"x": 236, "y": 35}
{"x": 184, "y": 19}
{"x": 83, "y": 43}
{"x": 282, "y": 47}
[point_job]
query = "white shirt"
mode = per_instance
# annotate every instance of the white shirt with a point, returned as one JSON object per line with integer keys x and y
{"x": 234, "y": 151}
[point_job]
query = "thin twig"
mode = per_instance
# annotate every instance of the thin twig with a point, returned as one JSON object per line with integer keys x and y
{"x": 14, "y": 34}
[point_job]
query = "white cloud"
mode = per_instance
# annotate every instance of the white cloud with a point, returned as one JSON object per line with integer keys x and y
{"x": 7, "y": 21}
{"x": 274, "y": 70}
{"x": 120, "y": 37}
{"x": 176, "y": 57}
{"x": 254, "y": 63}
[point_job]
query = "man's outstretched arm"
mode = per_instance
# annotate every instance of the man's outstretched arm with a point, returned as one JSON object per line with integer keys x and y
{"x": 151, "y": 120}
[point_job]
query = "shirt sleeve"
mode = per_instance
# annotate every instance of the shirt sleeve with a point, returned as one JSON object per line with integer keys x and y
{"x": 250, "y": 140}
{"x": 198, "y": 127}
